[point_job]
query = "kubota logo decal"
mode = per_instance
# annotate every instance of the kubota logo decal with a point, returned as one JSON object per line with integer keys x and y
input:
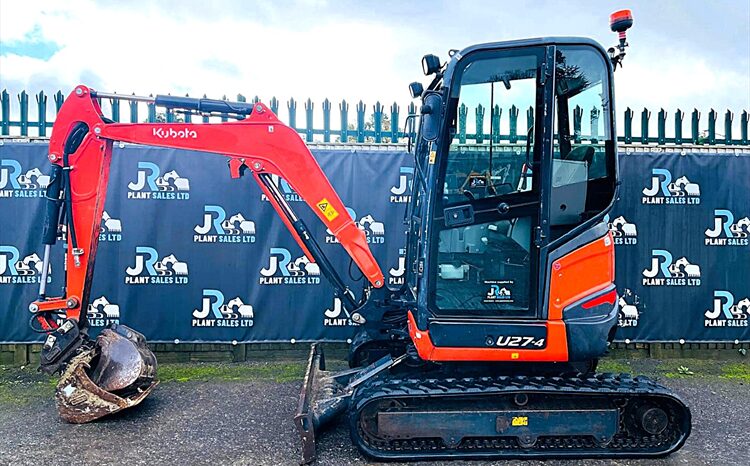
{"x": 171, "y": 133}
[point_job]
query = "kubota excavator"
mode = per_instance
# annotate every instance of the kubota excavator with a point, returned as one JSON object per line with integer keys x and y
{"x": 489, "y": 348}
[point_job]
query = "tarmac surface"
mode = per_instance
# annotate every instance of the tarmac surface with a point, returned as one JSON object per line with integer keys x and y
{"x": 245, "y": 419}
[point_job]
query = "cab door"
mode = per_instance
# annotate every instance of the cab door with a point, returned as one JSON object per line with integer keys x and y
{"x": 489, "y": 221}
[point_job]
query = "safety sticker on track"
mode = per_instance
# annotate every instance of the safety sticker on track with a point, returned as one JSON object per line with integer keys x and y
{"x": 327, "y": 209}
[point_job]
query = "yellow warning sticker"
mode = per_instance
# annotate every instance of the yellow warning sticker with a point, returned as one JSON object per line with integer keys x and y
{"x": 433, "y": 154}
{"x": 520, "y": 421}
{"x": 327, "y": 209}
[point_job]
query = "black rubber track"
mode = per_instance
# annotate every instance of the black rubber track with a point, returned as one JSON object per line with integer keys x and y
{"x": 617, "y": 390}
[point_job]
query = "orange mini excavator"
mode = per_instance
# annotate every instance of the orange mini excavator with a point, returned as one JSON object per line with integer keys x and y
{"x": 489, "y": 348}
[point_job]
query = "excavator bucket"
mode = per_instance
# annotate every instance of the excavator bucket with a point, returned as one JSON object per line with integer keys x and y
{"x": 117, "y": 373}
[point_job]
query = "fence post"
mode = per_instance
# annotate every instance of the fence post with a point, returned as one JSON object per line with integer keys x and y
{"x": 496, "y": 113}
{"x": 529, "y": 120}
{"x": 115, "y": 104}
{"x": 678, "y": 117}
{"x": 462, "y": 112}
{"x": 628, "y": 125}
{"x": 394, "y": 123}
{"x": 59, "y": 99}
{"x": 309, "y": 120}
{"x": 41, "y": 106}
{"x": 743, "y": 126}
{"x": 187, "y": 115}
{"x": 344, "y": 132}
{"x": 577, "y": 120}
{"x": 595, "y": 113}
{"x": 378, "y": 121}
{"x": 361, "y": 121}
{"x": 326, "y": 120}
{"x": 645, "y": 116}
{"x": 412, "y": 110}
{"x": 151, "y": 111}
{"x": 23, "y": 99}
{"x": 275, "y": 106}
{"x": 480, "y": 123}
{"x": 513, "y": 122}
{"x": 133, "y": 111}
{"x": 224, "y": 119}
{"x": 169, "y": 115}
{"x": 662, "y": 126}
{"x": 695, "y": 122}
{"x": 5, "y": 107}
{"x": 728, "y": 118}
{"x": 292, "y": 106}
{"x": 712, "y": 126}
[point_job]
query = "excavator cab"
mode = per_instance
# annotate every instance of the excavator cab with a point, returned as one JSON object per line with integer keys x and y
{"x": 496, "y": 210}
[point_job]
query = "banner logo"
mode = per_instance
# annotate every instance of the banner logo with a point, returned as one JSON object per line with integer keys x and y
{"x": 664, "y": 191}
{"x": 727, "y": 232}
{"x": 101, "y": 312}
{"x": 149, "y": 270}
{"x": 374, "y": 230}
{"x": 214, "y": 313}
{"x": 623, "y": 231}
{"x": 110, "y": 229}
{"x": 17, "y": 271}
{"x": 150, "y": 184}
{"x": 337, "y": 315}
{"x": 725, "y": 313}
{"x": 217, "y": 228}
{"x": 15, "y": 183}
{"x": 286, "y": 191}
{"x": 666, "y": 272}
{"x": 401, "y": 192}
{"x": 282, "y": 270}
{"x": 628, "y": 314}
{"x": 397, "y": 275}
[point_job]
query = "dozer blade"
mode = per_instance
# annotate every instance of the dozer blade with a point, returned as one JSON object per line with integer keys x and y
{"x": 117, "y": 373}
{"x": 327, "y": 394}
{"x": 324, "y": 396}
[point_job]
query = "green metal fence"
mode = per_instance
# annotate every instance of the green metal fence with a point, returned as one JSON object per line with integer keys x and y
{"x": 382, "y": 124}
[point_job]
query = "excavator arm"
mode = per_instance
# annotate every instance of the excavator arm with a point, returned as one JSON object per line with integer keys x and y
{"x": 81, "y": 152}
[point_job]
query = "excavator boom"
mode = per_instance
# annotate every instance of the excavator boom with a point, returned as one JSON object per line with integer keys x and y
{"x": 81, "y": 154}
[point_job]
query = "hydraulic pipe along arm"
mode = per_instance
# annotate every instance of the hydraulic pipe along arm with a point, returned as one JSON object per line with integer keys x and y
{"x": 81, "y": 153}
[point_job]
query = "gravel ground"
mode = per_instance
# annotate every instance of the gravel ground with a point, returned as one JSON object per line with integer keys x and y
{"x": 245, "y": 419}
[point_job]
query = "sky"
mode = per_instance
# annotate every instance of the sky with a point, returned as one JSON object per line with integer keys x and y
{"x": 683, "y": 53}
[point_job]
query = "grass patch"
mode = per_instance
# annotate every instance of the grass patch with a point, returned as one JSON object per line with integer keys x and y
{"x": 736, "y": 371}
{"x": 614, "y": 366}
{"x": 24, "y": 393}
{"x": 272, "y": 371}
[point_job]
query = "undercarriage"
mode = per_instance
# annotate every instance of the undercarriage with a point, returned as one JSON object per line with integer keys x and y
{"x": 403, "y": 412}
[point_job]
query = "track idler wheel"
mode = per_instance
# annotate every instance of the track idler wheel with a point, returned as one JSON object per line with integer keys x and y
{"x": 117, "y": 373}
{"x": 652, "y": 419}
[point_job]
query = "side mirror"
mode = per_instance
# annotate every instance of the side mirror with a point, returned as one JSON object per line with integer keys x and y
{"x": 430, "y": 110}
{"x": 415, "y": 89}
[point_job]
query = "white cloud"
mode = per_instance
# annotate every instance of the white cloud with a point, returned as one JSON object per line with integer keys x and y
{"x": 291, "y": 50}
